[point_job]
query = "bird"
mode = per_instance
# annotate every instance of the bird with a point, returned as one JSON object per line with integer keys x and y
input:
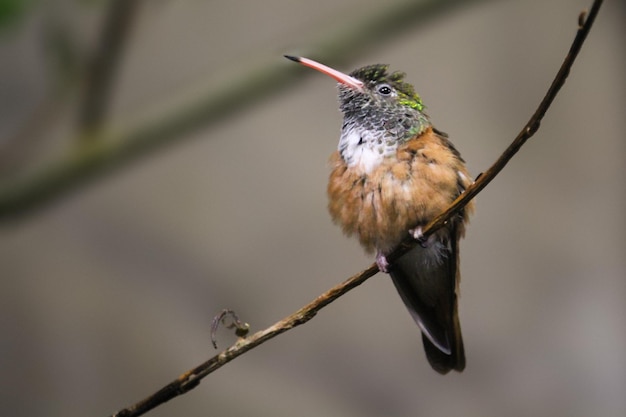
{"x": 392, "y": 173}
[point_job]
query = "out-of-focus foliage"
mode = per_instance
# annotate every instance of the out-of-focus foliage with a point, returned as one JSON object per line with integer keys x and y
{"x": 11, "y": 11}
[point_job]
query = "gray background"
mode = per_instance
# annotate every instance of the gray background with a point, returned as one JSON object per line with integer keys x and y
{"x": 108, "y": 294}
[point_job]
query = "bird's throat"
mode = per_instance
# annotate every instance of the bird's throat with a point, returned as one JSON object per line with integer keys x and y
{"x": 364, "y": 149}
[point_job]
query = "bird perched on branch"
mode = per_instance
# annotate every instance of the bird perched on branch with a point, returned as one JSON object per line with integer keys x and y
{"x": 392, "y": 173}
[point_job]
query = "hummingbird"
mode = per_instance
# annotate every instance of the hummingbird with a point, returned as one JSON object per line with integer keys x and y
{"x": 392, "y": 173}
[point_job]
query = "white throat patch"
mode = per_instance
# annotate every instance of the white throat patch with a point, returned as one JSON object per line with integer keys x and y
{"x": 363, "y": 148}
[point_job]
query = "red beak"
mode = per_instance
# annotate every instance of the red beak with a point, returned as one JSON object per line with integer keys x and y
{"x": 337, "y": 75}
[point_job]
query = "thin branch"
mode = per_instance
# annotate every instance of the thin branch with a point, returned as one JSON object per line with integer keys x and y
{"x": 192, "y": 378}
{"x": 113, "y": 150}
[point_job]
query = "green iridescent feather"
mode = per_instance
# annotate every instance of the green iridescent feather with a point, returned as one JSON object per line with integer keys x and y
{"x": 377, "y": 74}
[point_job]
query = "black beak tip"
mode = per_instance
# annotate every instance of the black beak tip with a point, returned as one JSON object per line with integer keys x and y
{"x": 293, "y": 58}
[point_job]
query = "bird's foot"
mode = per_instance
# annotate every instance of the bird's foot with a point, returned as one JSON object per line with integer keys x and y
{"x": 382, "y": 262}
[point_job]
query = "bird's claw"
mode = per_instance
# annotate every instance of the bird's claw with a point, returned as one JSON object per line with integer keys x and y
{"x": 382, "y": 262}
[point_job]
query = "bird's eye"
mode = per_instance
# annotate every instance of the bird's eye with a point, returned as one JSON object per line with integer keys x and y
{"x": 384, "y": 90}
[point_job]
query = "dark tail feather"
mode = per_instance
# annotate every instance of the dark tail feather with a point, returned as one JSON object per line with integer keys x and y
{"x": 442, "y": 362}
{"x": 428, "y": 289}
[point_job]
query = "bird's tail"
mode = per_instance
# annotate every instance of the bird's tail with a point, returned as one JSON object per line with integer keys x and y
{"x": 427, "y": 279}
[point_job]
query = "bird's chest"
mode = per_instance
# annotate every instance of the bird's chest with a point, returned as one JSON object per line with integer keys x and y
{"x": 380, "y": 200}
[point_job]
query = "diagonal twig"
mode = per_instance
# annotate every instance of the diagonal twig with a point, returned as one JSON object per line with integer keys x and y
{"x": 192, "y": 378}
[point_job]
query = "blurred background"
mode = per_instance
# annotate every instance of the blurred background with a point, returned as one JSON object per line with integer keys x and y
{"x": 161, "y": 161}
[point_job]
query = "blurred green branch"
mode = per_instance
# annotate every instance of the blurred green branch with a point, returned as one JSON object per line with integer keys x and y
{"x": 71, "y": 71}
{"x": 11, "y": 11}
{"x": 118, "y": 23}
{"x": 108, "y": 151}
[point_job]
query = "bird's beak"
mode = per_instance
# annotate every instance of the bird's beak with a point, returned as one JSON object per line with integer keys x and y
{"x": 342, "y": 78}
